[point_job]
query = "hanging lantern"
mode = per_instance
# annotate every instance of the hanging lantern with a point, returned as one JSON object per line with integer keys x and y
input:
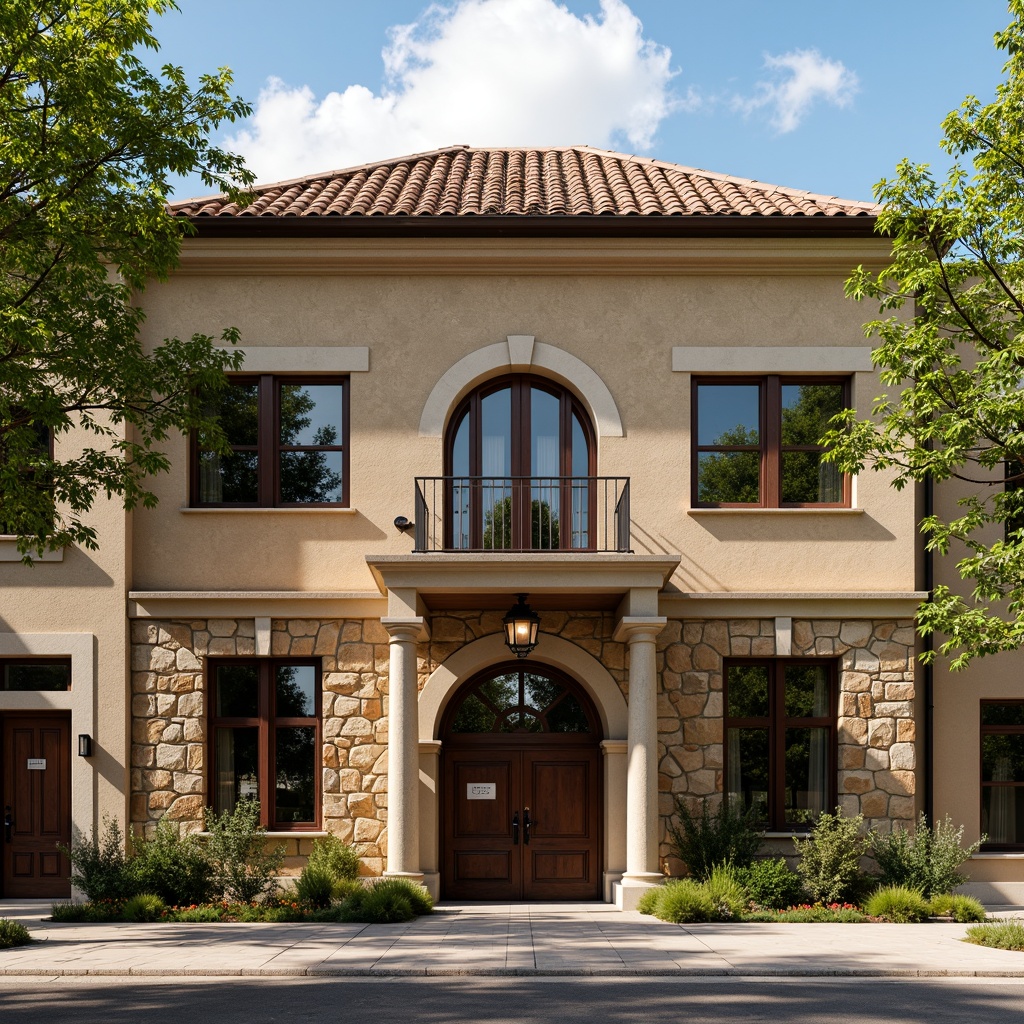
{"x": 521, "y": 626}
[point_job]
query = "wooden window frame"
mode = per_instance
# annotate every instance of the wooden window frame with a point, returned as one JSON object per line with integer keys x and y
{"x": 995, "y": 730}
{"x": 776, "y": 723}
{"x": 521, "y": 385}
{"x": 770, "y": 437}
{"x": 266, "y": 722}
{"x": 31, "y": 660}
{"x": 268, "y": 447}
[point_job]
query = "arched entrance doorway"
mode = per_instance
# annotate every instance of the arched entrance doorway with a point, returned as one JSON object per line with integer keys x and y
{"x": 520, "y": 773}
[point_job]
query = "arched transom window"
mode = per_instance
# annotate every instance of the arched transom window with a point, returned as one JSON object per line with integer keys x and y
{"x": 520, "y": 458}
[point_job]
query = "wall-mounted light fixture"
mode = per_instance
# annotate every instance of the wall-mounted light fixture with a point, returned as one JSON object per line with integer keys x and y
{"x": 521, "y": 625}
{"x": 84, "y": 745}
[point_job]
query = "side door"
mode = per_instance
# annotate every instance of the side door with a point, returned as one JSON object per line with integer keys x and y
{"x": 36, "y": 794}
{"x": 561, "y": 843}
{"x": 483, "y": 844}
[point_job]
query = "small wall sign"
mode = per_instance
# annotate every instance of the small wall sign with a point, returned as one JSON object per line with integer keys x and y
{"x": 37, "y": 764}
{"x": 481, "y": 791}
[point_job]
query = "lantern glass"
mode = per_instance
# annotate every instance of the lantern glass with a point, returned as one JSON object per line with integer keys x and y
{"x": 521, "y": 628}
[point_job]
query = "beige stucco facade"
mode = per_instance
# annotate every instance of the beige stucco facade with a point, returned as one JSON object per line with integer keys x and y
{"x": 417, "y": 324}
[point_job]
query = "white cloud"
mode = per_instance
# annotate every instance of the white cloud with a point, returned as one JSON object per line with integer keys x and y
{"x": 481, "y": 72}
{"x": 800, "y": 79}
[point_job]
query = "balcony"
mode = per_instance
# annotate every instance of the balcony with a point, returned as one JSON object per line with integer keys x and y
{"x": 528, "y": 514}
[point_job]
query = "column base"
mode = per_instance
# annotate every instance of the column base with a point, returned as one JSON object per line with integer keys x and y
{"x": 416, "y": 877}
{"x": 627, "y": 893}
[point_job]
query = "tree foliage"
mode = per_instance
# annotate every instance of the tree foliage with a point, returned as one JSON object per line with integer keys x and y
{"x": 89, "y": 140}
{"x": 951, "y": 351}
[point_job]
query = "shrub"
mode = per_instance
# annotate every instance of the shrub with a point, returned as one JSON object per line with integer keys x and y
{"x": 12, "y": 933}
{"x": 727, "y": 895}
{"x": 830, "y": 858}
{"x": 961, "y": 909}
{"x": 836, "y": 913}
{"x": 174, "y": 867}
{"x": 315, "y": 887}
{"x": 925, "y": 859}
{"x": 194, "y": 915}
{"x": 998, "y": 934}
{"x": 897, "y": 903}
{"x": 682, "y": 901}
{"x": 723, "y": 837}
{"x": 649, "y": 901}
{"x": 342, "y": 889}
{"x": 99, "y": 866}
{"x": 336, "y": 858}
{"x": 388, "y": 901}
{"x": 243, "y": 868}
{"x": 93, "y": 913}
{"x": 144, "y": 907}
{"x": 771, "y": 883}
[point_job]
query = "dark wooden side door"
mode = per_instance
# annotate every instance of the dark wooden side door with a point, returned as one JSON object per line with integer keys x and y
{"x": 36, "y": 795}
{"x": 522, "y": 823}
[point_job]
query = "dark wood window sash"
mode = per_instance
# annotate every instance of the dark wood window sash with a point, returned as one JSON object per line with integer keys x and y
{"x": 266, "y": 723}
{"x": 771, "y": 447}
{"x": 268, "y": 447}
{"x": 996, "y": 730}
{"x": 776, "y": 722}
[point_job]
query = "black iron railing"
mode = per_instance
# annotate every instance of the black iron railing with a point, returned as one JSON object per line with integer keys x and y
{"x": 522, "y": 513}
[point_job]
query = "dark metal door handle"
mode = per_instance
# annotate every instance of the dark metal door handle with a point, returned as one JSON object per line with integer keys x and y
{"x": 515, "y": 829}
{"x": 526, "y": 825}
{"x": 8, "y": 823}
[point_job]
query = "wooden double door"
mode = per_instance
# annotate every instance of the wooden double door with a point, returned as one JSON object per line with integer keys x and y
{"x": 35, "y": 794}
{"x": 521, "y": 821}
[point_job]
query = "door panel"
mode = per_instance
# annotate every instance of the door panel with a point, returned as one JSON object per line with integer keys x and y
{"x": 39, "y": 799}
{"x": 485, "y": 858}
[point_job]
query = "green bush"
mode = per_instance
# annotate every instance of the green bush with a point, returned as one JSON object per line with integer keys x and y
{"x": 727, "y": 895}
{"x": 830, "y": 858}
{"x": 961, "y": 909}
{"x": 336, "y": 858}
{"x": 925, "y": 859}
{"x": 343, "y": 888}
{"x": 388, "y": 901}
{"x": 649, "y": 901}
{"x": 12, "y": 933}
{"x": 723, "y": 837}
{"x": 243, "y": 869}
{"x": 144, "y": 907}
{"x": 771, "y": 883}
{"x": 897, "y": 903}
{"x": 997, "y": 934}
{"x": 315, "y": 887}
{"x": 99, "y": 866}
{"x": 809, "y": 915}
{"x": 91, "y": 913}
{"x": 174, "y": 867}
{"x": 682, "y": 901}
{"x": 195, "y": 915}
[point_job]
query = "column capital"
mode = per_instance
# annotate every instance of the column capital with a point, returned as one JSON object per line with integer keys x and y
{"x": 614, "y": 746}
{"x": 639, "y": 627}
{"x": 430, "y": 747}
{"x": 413, "y": 628}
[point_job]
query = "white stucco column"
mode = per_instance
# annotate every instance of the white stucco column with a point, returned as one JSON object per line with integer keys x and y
{"x": 403, "y": 749}
{"x": 642, "y": 752}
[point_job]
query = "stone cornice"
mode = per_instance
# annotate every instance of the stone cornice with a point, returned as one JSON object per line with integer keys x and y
{"x": 279, "y": 256}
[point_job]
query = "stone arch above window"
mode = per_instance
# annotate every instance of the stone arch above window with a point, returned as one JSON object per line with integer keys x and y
{"x": 519, "y": 353}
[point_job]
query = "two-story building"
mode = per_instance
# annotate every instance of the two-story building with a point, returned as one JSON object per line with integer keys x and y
{"x": 478, "y": 379}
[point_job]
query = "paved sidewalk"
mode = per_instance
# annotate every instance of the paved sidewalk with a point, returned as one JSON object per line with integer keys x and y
{"x": 481, "y": 939}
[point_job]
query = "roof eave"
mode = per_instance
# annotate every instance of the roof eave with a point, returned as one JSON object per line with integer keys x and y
{"x": 547, "y": 226}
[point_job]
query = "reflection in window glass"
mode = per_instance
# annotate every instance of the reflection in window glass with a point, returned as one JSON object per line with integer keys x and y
{"x": 806, "y": 774}
{"x": 473, "y": 716}
{"x": 729, "y": 477}
{"x": 296, "y": 691}
{"x": 229, "y": 479}
{"x": 806, "y": 410}
{"x": 1003, "y": 714}
{"x": 311, "y": 477}
{"x": 501, "y": 692}
{"x": 294, "y": 770}
{"x": 747, "y": 782}
{"x": 539, "y": 691}
{"x": 567, "y": 716}
{"x": 310, "y": 415}
{"x": 36, "y": 675}
{"x": 729, "y": 414}
{"x": 747, "y": 689}
{"x": 238, "y": 693}
{"x": 806, "y": 691}
{"x": 808, "y": 479}
{"x": 1002, "y": 773}
{"x": 237, "y": 411}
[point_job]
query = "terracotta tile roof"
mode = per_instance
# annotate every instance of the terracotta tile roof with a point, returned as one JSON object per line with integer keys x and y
{"x": 575, "y": 181}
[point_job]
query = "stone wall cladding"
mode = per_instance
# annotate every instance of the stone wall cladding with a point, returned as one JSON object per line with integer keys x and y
{"x": 876, "y": 731}
{"x": 877, "y": 757}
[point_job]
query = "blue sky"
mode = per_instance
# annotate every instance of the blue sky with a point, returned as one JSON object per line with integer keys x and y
{"x": 826, "y": 95}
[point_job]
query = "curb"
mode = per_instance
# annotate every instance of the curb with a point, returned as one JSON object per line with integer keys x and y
{"x": 499, "y": 972}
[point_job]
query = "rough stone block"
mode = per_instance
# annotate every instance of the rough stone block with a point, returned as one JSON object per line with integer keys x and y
{"x": 857, "y": 782}
{"x": 881, "y": 732}
{"x": 903, "y": 756}
{"x": 874, "y": 805}
{"x": 854, "y": 633}
{"x": 899, "y": 783}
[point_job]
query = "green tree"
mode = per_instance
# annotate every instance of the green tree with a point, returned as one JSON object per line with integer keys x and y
{"x": 952, "y": 348}
{"x": 89, "y": 139}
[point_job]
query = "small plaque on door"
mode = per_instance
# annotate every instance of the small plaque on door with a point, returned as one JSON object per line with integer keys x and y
{"x": 481, "y": 791}
{"x": 37, "y": 764}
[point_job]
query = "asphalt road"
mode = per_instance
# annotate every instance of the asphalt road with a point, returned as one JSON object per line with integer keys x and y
{"x": 501, "y": 1000}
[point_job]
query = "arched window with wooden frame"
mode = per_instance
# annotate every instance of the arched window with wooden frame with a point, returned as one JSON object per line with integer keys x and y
{"x": 520, "y": 458}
